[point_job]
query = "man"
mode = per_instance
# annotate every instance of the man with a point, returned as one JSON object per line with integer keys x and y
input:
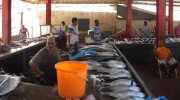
{"x": 62, "y": 39}
{"x": 144, "y": 29}
{"x": 96, "y": 31}
{"x": 65, "y": 27}
{"x": 44, "y": 60}
{"x": 72, "y": 34}
{"x": 177, "y": 30}
{"x": 167, "y": 63}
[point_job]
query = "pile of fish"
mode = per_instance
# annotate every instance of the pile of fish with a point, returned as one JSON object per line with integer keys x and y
{"x": 7, "y": 84}
{"x": 114, "y": 79}
{"x": 137, "y": 40}
{"x": 146, "y": 40}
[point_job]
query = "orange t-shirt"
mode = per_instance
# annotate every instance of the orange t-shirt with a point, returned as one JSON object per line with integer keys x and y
{"x": 163, "y": 52}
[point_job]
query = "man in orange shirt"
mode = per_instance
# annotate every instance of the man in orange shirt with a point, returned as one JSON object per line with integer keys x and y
{"x": 167, "y": 63}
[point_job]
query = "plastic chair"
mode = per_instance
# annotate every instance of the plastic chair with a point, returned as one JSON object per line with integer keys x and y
{"x": 157, "y": 67}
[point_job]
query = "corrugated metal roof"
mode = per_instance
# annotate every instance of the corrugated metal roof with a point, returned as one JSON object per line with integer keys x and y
{"x": 97, "y": 1}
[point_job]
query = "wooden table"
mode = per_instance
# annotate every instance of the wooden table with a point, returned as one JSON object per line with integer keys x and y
{"x": 16, "y": 60}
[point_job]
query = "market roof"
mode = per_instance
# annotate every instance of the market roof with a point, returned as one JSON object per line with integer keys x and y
{"x": 150, "y": 2}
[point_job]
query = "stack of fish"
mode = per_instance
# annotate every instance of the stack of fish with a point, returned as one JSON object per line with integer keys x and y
{"x": 7, "y": 84}
{"x": 116, "y": 82}
{"x": 138, "y": 40}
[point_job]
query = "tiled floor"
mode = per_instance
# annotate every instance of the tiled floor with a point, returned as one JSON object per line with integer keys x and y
{"x": 159, "y": 87}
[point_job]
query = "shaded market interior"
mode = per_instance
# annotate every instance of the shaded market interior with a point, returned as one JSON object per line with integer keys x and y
{"x": 42, "y": 17}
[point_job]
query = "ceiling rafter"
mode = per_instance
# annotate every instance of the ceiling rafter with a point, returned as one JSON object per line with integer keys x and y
{"x": 148, "y": 2}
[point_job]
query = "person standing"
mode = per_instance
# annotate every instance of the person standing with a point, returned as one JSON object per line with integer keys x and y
{"x": 24, "y": 34}
{"x": 144, "y": 29}
{"x": 65, "y": 27}
{"x": 43, "y": 62}
{"x": 62, "y": 39}
{"x": 96, "y": 31}
{"x": 177, "y": 30}
{"x": 72, "y": 33}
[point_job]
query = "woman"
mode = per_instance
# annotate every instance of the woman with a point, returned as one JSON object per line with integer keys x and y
{"x": 23, "y": 32}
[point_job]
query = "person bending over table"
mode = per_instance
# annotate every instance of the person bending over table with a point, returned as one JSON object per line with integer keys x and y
{"x": 43, "y": 63}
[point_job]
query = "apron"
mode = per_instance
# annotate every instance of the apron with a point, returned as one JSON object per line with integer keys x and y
{"x": 48, "y": 66}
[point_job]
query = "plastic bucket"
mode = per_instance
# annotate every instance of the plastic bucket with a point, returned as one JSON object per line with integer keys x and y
{"x": 71, "y": 77}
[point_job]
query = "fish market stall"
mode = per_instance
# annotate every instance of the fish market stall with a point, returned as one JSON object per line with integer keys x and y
{"x": 110, "y": 77}
{"x": 140, "y": 51}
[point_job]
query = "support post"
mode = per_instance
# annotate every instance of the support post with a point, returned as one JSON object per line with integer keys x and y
{"x": 160, "y": 21}
{"x": 6, "y": 21}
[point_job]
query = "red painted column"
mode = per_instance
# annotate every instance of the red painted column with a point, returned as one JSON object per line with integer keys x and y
{"x": 160, "y": 20}
{"x": 48, "y": 12}
{"x": 170, "y": 18}
{"x": 129, "y": 17}
{"x": 6, "y": 21}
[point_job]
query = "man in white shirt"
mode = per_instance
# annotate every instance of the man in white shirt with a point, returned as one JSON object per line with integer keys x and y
{"x": 72, "y": 33}
{"x": 144, "y": 29}
{"x": 97, "y": 32}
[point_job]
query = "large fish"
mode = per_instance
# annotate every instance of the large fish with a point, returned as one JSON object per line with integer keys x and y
{"x": 3, "y": 78}
{"x": 115, "y": 75}
{"x": 124, "y": 94}
{"x": 105, "y": 59}
{"x": 106, "y": 97}
{"x": 98, "y": 48}
{"x": 120, "y": 82}
{"x": 114, "y": 64}
{"x": 93, "y": 65}
{"x": 121, "y": 88}
{"x": 130, "y": 98}
{"x": 106, "y": 54}
{"x": 112, "y": 70}
{"x": 10, "y": 84}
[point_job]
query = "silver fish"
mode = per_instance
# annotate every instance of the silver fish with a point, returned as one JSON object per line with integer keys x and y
{"x": 121, "y": 88}
{"x": 93, "y": 65}
{"x": 112, "y": 70}
{"x": 2, "y": 71}
{"x": 9, "y": 85}
{"x": 124, "y": 94}
{"x": 114, "y": 64}
{"x": 130, "y": 98}
{"x": 120, "y": 82}
{"x": 107, "y": 54}
{"x": 98, "y": 48}
{"x": 3, "y": 78}
{"x": 116, "y": 75}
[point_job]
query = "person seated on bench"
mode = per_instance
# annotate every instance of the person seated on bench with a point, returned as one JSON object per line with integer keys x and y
{"x": 167, "y": 63}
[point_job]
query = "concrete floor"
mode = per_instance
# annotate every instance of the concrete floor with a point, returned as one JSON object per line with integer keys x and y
{"x": 159, "y": 87}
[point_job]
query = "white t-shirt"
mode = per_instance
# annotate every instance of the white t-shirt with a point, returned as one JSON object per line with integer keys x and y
{"x": 145, "y": 30}
{"x": 73, "y": 32}
{"x": 97, "y": 33}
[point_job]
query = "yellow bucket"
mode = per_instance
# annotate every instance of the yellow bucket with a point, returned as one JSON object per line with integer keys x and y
{"x": 71, "y": 77}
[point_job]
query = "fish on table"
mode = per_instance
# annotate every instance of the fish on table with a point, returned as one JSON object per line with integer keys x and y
{"x": 114, "y": 64}
{"x": 120, "y": 82}
{"x": 3, "y": 78}
{"x": 112, "y": 70}
{"x": 97, "y": 48}
{"x": 130, "y": 98}
{"x": 9, "y": 84}
{"x": 121, "y": 88}
{"x": 92, "y": 65}
{"x": 106, "y": 54}
{"x": 115, "y": 75}
{"x": 124, "y": 94}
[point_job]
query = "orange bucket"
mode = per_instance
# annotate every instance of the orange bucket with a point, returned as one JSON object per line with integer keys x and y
{"x": 71, "y": 77}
